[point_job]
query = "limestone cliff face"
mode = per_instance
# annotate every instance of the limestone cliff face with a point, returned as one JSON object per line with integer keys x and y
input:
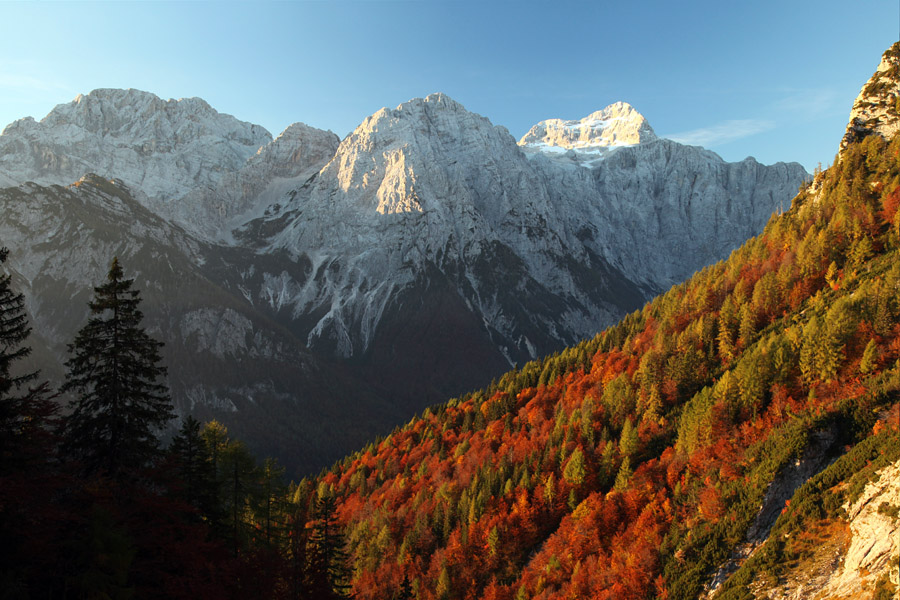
{"x": 432, "y": 191}
{"x": 429, "y": 189}
{"x": 877, "y": 108}
{"x": 280, "y": 166}
{"x": 874, "y": 539}
{"x": 864, "y": 552}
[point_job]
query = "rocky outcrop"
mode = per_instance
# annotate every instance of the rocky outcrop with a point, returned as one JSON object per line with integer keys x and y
{"x": 874, "y": 539}
{"x": 860, "y": 555}
{"x": 817, "y": 455}
{"x": 671, "y": 209}
{"x": 877, "y": 108}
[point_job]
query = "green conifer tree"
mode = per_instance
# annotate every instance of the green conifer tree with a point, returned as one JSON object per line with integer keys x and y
{"x": 118, "y": 406}
{"x": 575, "y": 470}
{"x": 14, "y": 330}
{"x": 195, "y": 470}
{"x": 328, "y": 574}
{"x": 25, "y": 412}
{"x": 28, "y": 478}
{"x": 870, "y": 357}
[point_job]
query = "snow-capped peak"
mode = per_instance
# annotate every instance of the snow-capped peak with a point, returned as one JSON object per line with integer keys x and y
{"x": 616, "y": 125}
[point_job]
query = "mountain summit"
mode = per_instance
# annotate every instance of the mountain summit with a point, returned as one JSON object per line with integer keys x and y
{"x": 618, "y": 124}
{"x": 163, "y": 147}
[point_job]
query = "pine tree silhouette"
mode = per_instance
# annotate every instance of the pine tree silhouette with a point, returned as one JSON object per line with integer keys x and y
{"x": 119, "y": 407}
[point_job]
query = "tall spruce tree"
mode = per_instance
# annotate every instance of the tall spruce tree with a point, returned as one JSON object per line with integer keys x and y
{"x": 28, "y": 480}
{"x": 25, "y": 410}
{"x": 14, "y": 330}
{"x": 119, "y": 407}
{"x": 195, "y": 470}
{"x": 328, "y": 575}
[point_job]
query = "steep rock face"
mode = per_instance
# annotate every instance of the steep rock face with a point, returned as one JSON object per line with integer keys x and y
{"x": 874, "y": 538}
{"x": 670, "y": 209}
{"x": 876, "y": 109}
{"x": 431, "y": 191}
{"x": 164, "y": 148}
{"x": 655, "y": 209}
{"x": 538, "y": 251}
{"x": 280, "y": 166}
{"x": 866, "y": 551}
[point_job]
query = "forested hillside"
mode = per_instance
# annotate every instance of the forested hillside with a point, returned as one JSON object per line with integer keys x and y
{"x": 633, "y": 464}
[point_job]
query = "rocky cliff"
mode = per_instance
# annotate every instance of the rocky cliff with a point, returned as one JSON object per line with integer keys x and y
{"x": 876, "y": 109}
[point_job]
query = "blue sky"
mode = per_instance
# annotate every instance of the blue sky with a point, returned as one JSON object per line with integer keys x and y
{"x": 773, "y": 80}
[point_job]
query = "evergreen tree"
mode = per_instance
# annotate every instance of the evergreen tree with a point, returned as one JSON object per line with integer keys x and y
{"x": 195, "y": 470}
{"x": 25, "y": 412}
{"x": 870, "y": 357}
{"x": 628, "y": 442}
{"x": 28, "y": 480}
{"x": 14, "y": 330}
{"x": 328, "y": 574}
{"x": 118, "y": 406}
{"x": 238, "y": 489}
{"x": 574, "y": 471}
{"x": 625, "y": 473}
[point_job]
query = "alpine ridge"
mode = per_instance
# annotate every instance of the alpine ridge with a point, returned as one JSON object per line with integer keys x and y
{"x": 427, "y": 249}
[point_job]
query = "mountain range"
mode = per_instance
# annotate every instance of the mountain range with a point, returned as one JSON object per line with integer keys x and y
{"x": 314, "y": 292}
{"x": 734, "y": 439}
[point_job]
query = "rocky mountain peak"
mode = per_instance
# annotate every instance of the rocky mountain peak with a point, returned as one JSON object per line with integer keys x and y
{"x": 299, "y": 145}
{"x": 384, "y": 163}
{"x": 616, "y": 125}
{"x": 413, "y": 121}
{"x": 164, "y": 148}
{"x": 877, "y": 108}
{"x": 125, "y": 113}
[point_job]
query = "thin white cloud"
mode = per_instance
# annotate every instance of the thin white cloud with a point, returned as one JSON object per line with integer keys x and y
{"x": 27, "y": 76}
{"x": 811, "y": 104}
{"x": 14, "y": 81}
{"x": 722, "y": 133}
